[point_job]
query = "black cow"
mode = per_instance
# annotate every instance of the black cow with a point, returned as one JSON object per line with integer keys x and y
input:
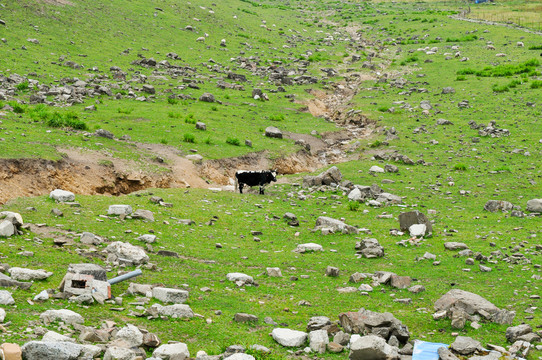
{"x": 253, "y": 178}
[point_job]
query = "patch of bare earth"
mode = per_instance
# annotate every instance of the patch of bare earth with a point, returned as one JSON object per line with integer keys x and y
{"x": 57, "y": 2}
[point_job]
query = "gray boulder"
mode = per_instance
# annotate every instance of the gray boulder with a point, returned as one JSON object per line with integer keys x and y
{"x": 372, "y": 347}
{"x": 121, "y": 251}
{"x": 273, "y": 132}
{"x": 534, "y": 205}
{"x": 90, "y": 239}
{"x": 143, "y": 214}
{"x": 308, "y": 247}
{"x": 324, "y": 222}
{"x": 445, "y": 354}
{"x": 6, "y": 228}
{"x": 240, "y": 277}
{"x": 317, "y": 323}
{"x": 22, "y": 274}
{"x": 465, "y": 345}
{"x": 330, "y": 176}
{"x": 119, "y": 210}
{"x": 241, "y": 356}
{"x": 6, "y": 298}
{"x": 370, "y": 248}
{"x": 148, "y": 238}
{"x": 453, "y": 245}
{"x": 119, "y": 353}
{"x": 62, "y": 195}
{"x": 289, "y": 338}
{"x": 40, "y": 350}
{"x": 95, "y": 270}
{"x": 365, "y": 321}
{"x": 207, "y": 97}
{"x": 472, "y": 304}
{"x": 67, "y": 316}
{"x": 514, "y": 332}
{"x": 15, "y": 218}
{"x": 318, "y": 340}
{"x": 498, "y": 205}
{"x": 131, "y": 335}
{"x": 2, "y": 315}
{"x": 175, "y": 311}
{"x": 167, "y": 295}
{"x": 274, "y": 272}
{"x": 407, "y": 219}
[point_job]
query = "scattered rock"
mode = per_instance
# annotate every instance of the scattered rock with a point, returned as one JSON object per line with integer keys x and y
{"x": 372, "y": 347}
{"x": 119, "y": 210}
{"x": 62, "y": 195}
{"x": 167, "y": 295}
{"x": 465, "y": 345}
{"x": 289, "y": 338}
{"x": 67, "y": 316}
{"x": 333, "y": 225}
{"x": 273, "y": 132}
{"x": 497, "y": 205}
{"x": 126, "y": 252}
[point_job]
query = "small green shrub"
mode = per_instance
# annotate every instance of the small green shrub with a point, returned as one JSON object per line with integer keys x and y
{"x": 233, "y": 141}
{"x": 190, "y": 121}
{"x": 535, "y": 47}
{"x": 105, "y": 163}
{"x": 276, "y": 117}
{"x": 18, "y": 108}
{"x": 208, "y": 140}
{"x": 536, "y": 84}
{"x": 172, "y": 101}
{"x": 22, "y": 86}
{"x": 174, "y": 115}
{"x": 410, "y": 59}
{"x": 353, "y": 205}
{"x": 460, "y": 167}
{"x": 163, "y": 141}
{"x": 126, "y": 111}
{"x": 460, "y": 78}
{"x": 383, "y": 109}
{"x": 214, "y": 108}
{"x": 189, "y": 138}
{"x": 376, "y": 144}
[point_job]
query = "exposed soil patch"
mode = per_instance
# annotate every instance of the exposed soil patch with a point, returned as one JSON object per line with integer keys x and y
{"x": 57, "y": 2}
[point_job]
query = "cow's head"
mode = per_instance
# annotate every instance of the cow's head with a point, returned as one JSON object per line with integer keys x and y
{"x": 272, "y": 175}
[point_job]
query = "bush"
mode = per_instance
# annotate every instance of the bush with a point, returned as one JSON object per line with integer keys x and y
{"x": 460, "y": 167}
{"x": 22, "y": 86}
{"x": 233, "y": 141}
{"x": 163, "y": 141}
{"x": 126, "y": 111}
{"x": 190, "y": 121}
{"x": 382, "y": 109}
{"x": 409, "y": 59}
{"x": 174, "y": 115}
{"x": 172, "y": 101}
{"x": 353, "y": 205}
{"x": 277, "y": 117}
{"x": 537, "y": 84}
{"x": 376, "y": 144}
{"x": 460, "y": 78}
{"x": 207, "y": 140}
{"x": 189, "y": 138}
{"x": 17, "y": 108}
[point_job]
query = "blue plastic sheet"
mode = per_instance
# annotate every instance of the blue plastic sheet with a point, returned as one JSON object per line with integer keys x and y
{"x": 424, "y": 350}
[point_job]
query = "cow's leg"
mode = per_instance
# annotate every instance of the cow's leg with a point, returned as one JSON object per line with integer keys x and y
{"x": 241, "y": 188}
{"x": 261, "y": 189}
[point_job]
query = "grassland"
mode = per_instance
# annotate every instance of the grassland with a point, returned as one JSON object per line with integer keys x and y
{"x": 454, "y": 174}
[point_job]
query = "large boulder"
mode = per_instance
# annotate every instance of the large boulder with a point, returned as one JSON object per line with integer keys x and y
{"x": 15, "y": 218}
{"x": 472, "y": 304}
{"x": 240, "y": 277}
{"x": 22, "y": 274}
{"x": 62, "y": 195}
{"x": 330, "y": 176}
{"x": 498, "y": 205}
{"x": 318, "y": 340}
{"x": 178, "y": 351}
{"x": 514, "y": 332}
{"x": 180, "y": 311}
{"x": 167, "y": 295}
{"x": 407, "y": 219}
{"x": 372, "y": 347}
{"x": 146, "y": 215}
{"x": 273, "y": 132}
{"x": 40, "y": 350}
{"x": 308, "y": 247}
{"x": 7, "y": 228}
{"x": 131, "y": 335}
{"x": 119, "y": 353}
{"x": 119, "y": 209}
{"x": 465, "y": 345}
{"x": 122, "y": 251}
{"x": 370, "y": 248}
{"x": 365, "y": 321}
{"x": 334, "y": 225}
{"x": 6, "y": 298}
{"x": 534, "y": 205}
{"x": 289, "y": 338}
{"x": 65, "y": 315}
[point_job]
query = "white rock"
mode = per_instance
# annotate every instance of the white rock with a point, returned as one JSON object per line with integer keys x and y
{"x": 118, "y": 353}
{"x": 68, "y": 316}
{"x": 365, "y": 287}
{"x": 53, "y": 336}
{"x": 417, "y": 229}
{"x": 6, "y": 298}
{"x": 372, "y": 347}
{"x": 148, "y": 238}
{"x": 119, "y": 210}
{"x": 274, "y": 272}
{"x": 22, "y": 274}
{"x": 174, "y": 311}
{"x": 318, "y": 340}
{"x": 167, "y": 295}
{"x": 241, "y": 356}
{"x": 376, "y": 169}
{"x": 62, "y": 195}
{"x": 301, "y": 248}
{"x": 290, "y": 338}
{"x": 131, "y": 335}
{"x": 42, "y": 296}
{"x": 177, "y": 351}
{"x": 240, "y": 277}
{"x": 15, "y": 218}
{"x": 355, "y": 195}
{"x": 6, "y": 228}
{"x": 128, "y": 251}
{"x": 2, "y": 315}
